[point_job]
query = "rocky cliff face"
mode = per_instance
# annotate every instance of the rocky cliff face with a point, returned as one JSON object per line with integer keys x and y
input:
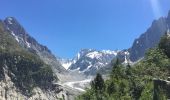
{"x": 150, "y": 38}
{"x": 8, "y": 91}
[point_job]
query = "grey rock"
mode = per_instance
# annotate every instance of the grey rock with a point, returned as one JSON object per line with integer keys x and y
{"x": 150, "y": 38}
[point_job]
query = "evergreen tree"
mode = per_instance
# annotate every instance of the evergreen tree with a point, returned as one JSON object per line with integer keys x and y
{"x": 165, "y": 44}
{"x": 116, "y": 70}
{"x": 111, "y": 88}
{"x": 98, "y": 86}
{"x": 128, "y": 71}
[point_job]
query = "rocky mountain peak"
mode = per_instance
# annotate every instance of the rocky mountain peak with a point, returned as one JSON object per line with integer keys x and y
{"x": 11, "y": 20}
{"x": 85, "y": 51}
{"x": 88, "y": 61}
{"x": 30, "y": 44}
{"x": 150, "y": 38}
{"x": 12, "y": 24}
{"x": 18, "y": 32}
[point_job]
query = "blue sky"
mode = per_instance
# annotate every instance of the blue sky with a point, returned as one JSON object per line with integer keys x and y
{"x": 66, "y": 26}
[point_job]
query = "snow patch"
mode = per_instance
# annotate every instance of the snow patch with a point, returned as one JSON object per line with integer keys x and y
{"x": 94, "y": 54}
{"x": 66, "y": 65}
{"x": 89, "y": 66}
{"x": 78, "y": 56}
{"x": 110, "y": 52}
{"x": 16, "y": 37}
{"x": 127, "y": 53}
{"x": 126, "y": 60}
{"x": 137, "y": 42}
{"x": 28, "y": 44}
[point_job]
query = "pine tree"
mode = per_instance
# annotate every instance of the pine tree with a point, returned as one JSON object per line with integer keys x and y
{"x": 98, "y": 86}
{"x": 111, "y": 88}
{"x": 116, "y": 70}
{"x": 164, "y": 44}
{"x": 128, "y": 71}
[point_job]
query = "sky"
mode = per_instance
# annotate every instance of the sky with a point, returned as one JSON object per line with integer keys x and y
{"x": 67, "y": 26}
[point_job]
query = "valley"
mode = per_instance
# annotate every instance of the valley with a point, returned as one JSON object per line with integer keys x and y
{"x": 30, "y": 70}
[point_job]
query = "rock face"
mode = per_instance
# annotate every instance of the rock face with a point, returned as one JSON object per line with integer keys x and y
{"x": 23, "y": 75}
{"x": 123, "y": 57}
{"x": 88, "y": 61}
{"x": 8, "y": 91}
{"x": 29, "y": 43}
{"x": 150, "y": 38}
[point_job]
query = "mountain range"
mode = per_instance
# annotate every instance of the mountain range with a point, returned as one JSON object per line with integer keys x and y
{"x": 22, "y": 58}
{"x": 89, "y": 61}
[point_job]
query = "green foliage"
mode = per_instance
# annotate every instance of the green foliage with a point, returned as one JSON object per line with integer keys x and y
{"x": 165, "y": 44}
{"x": 117, "y": 70}
{"x": 26, "y": 71}
{"x": 98, "y": 86}
{"x": 111, "y": 88}
{"x": 147, "y": 93}
{"x": 98, "y": 83}
{"x": 7, "y": 42}
{"x": 136, "y": 82}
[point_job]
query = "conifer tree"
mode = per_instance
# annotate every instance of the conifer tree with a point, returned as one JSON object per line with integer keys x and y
{"x": 164, "y": 44}
{"x": 98, "y": 86}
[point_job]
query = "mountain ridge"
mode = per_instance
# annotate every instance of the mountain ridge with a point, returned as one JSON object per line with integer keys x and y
{"x": 23, "y": 74}
{"x": 145, "y": 41}
{"x": 150, "y": 38}
{"x": 29, "y": 43}
{"x": 87, "y": 61}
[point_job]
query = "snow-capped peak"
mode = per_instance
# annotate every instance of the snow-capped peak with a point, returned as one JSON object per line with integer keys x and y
{"x": 98, "y": 54}
{"x": 110, "y": 52}
{"x": 66, "y": 63}
{"x": 94, "y": 54}
{"x": 88, "y": 61}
